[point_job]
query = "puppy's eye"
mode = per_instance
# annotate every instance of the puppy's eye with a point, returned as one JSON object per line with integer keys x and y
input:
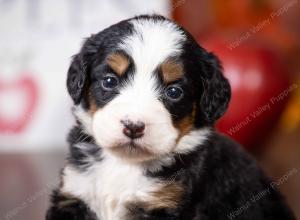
{"x": 109, "y": 82}
{"x": 174, "y": 93}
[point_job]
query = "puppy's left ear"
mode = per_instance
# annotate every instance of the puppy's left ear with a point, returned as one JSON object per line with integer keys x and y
{"x": 217, "y": 92}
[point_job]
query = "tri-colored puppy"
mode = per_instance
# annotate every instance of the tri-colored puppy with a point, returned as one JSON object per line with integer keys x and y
{"x": 146, "y": 97}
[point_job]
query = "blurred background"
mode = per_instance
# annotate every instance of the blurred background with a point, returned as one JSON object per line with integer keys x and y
{"x": 258, "y": 42}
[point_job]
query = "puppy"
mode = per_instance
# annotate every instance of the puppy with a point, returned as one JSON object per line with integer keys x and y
{"x": 146, "y": 97}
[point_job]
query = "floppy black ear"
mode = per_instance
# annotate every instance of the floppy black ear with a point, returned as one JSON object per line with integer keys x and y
{"x": 217, "y": 92}
{"x": 76, "y": 78}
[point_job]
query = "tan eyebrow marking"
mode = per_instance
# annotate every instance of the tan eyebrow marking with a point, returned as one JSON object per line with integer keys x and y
{"x": 171, "y": 71}
{"x": 118, "y": 62}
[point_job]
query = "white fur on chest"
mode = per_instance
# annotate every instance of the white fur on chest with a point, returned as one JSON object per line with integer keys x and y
{"x": 108, "y": 186}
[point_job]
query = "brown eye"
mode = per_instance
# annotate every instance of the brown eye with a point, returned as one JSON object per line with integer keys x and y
{"x": 109, "y": 82}
{"x": 174, "y": 93}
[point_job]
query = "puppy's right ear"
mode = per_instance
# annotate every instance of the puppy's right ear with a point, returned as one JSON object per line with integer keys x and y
{"x": 76, "y": 78}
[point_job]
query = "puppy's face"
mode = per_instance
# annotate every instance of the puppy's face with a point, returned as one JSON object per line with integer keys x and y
{"x": 143, "y": 86}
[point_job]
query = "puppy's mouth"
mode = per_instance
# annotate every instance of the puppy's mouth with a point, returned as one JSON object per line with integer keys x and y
{"x": 132, "y": 150}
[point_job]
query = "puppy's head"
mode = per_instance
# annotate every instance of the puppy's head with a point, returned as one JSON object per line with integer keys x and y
{"x": 143, "y": 88}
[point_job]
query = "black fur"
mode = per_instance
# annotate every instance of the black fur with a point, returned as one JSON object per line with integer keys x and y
{"x": 67, "y": 208}
{"x": 210, "y": 86}
{"x": 218, "y": 177}
{"x": 88, "y": 153}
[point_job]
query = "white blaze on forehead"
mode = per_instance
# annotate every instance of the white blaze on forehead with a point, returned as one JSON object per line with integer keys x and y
{"x": 150, "y": 44}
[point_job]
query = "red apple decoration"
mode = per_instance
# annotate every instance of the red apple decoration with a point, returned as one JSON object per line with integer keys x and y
{"x": 260, "y": 90}
{"x": 18, "y": 100}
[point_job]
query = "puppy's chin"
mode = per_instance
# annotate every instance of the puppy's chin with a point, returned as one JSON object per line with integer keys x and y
{"x": 132, "y": 151}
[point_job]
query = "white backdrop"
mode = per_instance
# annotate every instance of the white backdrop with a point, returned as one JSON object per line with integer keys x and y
{"x": 37, "y": 40}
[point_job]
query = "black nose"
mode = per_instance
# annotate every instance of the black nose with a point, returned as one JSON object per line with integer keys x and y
{"x": 133, "y": 129}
